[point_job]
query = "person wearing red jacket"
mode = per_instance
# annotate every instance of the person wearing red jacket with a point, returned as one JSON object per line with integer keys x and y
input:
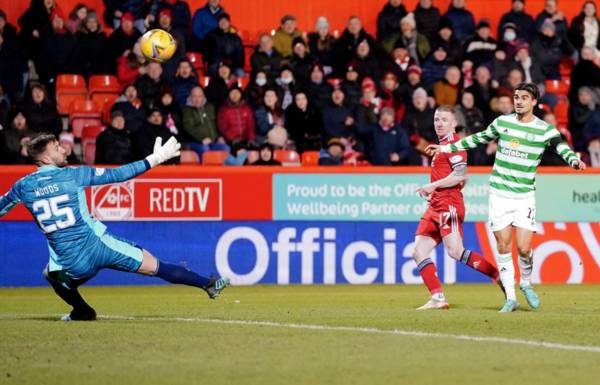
{"x": 235, "y": 119}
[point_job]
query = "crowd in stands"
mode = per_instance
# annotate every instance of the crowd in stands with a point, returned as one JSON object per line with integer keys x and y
{"x": 359, "y": 97}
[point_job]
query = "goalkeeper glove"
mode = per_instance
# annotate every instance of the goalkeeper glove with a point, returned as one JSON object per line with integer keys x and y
{"x": 162, "y": 153}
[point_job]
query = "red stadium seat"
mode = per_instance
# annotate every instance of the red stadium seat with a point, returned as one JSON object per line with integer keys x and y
{"x": 88, "y": 142}
{"x": 196, "y": 59}
{"x": 310, "y": 158}
{"x": 287, "y": 157}
{"x": 245, "y": 36}
{"x": 566, "y": 66}
{"x": 214, "y": 158}
{"x": 189, "y": 157}
{"x": 84, "y": 113}
{"x": 203, "y": 80}
{"x": 104, "y": 84}
{"x": 69, "y": 87}
{"x": 243, "y": 82}
{"x": 104, "y": 100}
{"x": 557, "y": 87}
{"x": 561, "y": 111}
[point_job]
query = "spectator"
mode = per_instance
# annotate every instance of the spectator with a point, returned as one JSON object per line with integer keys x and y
{"x": 266, "y": 152}
{"x": 34, "y": 23}
{"x": 151, "y": 85}
{"x": 591, "y": 135}
{"x": 286, "y": 84}
{"x": 41, "y": 112}
{"x": 350, "y": 86}
{"x": 131, "y": 65}
{"x": 131, "y": 107}
{"x": 585, "y": 73}
{"x": 461, "y": 20}
{"x": 552, "y": 12}
{"x": 510, "y": 82}
{"x": 367, "y": 112}
{"x": 114, "y": 144}
{"x": 278, "y": 137}
{"x": 504, "y": 105}
{"x": 333, "y": 154}
{"x": 224, "y": 44}
{"x": 235, "y": 119}
{"x": 531, "y": 69}
{"x": 338, "y": 119}
{"x": 67, "y": 141}
{"x": 501, "y": 65}
{"x": 181, "y": 16}
{"x": 76, "y": 18}
{"x": 345, "y": 46}
{"x": 238, "y": 154}
{"x": 321, "y": 43}
{"x": 401, "y": 61}
{"x": 483, "y": 92}
{"x": 218, "y": 88}
{"x": 446, "y": 39}
{"x": 304, "y": 123}
{"x": 428, "y": 18}
{"x": 185, "y": 80}
{"x": 391, "y": 96}
{"x": 447, "y": 91}
{"x": 59, "y": 50}
{"x": 12, "y": 140}
{"x": 266, "y": 58}
{"x": 480, "y": 48}
{"x": 285, "y": 35}
{"x": 165, "y": 22}
{"x": 317, "y": 89}
{"x": 417, "y": 44}
{"x": 255, "y": 91}
{"x": 121, "y": 40}
{"x": 269, "y": 115}
{"x": 585, "y": 27}
{"x": 388, "y": 20}
{"x": 434, "y": 68}
{"x": 580, "y": 113}
{"x": 469, "y": 117}
{"x": 390, "y": 142}
{"x": 92, "y": 41}
{"x": 142, "y": 12}
{"x": 418, "y": 120}
{"x": 367, "y": 64}
{"x": 524, "y": 22}
{"x": 12, "y": 62}
{"x": 414, "y": 81}
{"x": 4, "y": 109}
{"x": 144, "y": 138}
{"x": 204, "y": 21}
{"x": 548, "y": 48}
{"x": 510, "y": 42}
{"x": 300, "y": 61}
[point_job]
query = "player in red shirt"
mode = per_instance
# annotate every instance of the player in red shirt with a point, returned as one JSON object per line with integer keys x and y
{"x": 444, "y": 217}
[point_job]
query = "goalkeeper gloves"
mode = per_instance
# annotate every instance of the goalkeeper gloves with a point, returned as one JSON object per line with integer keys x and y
{"x": 162, "y": 153}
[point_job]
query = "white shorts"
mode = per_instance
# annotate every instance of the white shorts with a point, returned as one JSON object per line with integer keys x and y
{"x": 509, "y": 211}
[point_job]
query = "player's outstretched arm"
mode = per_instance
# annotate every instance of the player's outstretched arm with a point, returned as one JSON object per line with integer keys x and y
{"x": 90, "y": 176}
{"x": 562, "y": 148}
{"x": 9, "y": 200}
{"x": 467, "y": 143}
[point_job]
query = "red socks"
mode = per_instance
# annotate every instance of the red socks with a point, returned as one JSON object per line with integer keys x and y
{"x": 479, "y": 263}
{"x": 429, "y": 273}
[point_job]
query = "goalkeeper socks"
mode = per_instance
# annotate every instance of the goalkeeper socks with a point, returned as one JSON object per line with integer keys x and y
{"x": 507, "y": 274}
{"x": 429, "y": 273}
{"x": 526, "y": 267}
{"x": 477, "y": 262}
{"x": 180, "y": 275}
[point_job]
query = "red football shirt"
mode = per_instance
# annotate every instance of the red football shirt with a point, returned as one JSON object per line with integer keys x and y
{"x": 442, "y": 165}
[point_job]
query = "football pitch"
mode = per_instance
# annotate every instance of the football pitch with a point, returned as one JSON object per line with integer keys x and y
{"x": 300, "y": 335}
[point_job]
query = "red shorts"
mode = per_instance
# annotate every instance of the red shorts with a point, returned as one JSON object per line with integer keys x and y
{"x": 439, "y": 222}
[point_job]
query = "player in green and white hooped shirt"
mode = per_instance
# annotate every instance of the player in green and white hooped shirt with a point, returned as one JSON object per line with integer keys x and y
{"x": 522, "y": 139}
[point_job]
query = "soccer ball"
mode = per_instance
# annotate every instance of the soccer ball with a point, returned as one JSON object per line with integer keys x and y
{"x": 158, "y": 45}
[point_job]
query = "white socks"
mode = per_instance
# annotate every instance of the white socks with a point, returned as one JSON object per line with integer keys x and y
{"x": 526, "y": 267}
{"x": 439, "y": 296}
{"x": 507, "y": 274}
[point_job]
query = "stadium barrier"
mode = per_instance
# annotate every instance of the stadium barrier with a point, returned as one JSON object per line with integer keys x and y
{"x": 309, "y": 225}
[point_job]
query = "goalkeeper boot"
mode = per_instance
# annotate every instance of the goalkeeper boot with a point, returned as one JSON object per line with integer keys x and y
{"x": 80, "y": 315}
{"x": 435, "y": 304}
{"x": 216, "y": 286}
{"x": 509, "y": 306}
{"x": 531, "y": 296}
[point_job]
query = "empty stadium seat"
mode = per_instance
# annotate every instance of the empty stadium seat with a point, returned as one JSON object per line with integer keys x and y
{"x": 203, "y": 80}
{"x": 561, "y": 111}
{"x": 84, "y": 113}
{"x": 557, "y": 87}
{"x": 243, "y": 82}
{"x": 196, "y": 59}
{"x": 69, "y": 87}
{"x": 189, "y": 157}
{"x": 104, "y": 84}
{"x": 287, "y": 157}
{"x": 88, "y": 142}
{"x": 214, "y": 158}
{"x": 310, "y": 158}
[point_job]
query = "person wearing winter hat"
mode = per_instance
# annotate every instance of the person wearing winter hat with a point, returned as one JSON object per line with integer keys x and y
{"x": 235, "y": 119}
{"x": 285, "y": 34}
{"x": 523, "y": 21}
{"x": 320, "y": 44}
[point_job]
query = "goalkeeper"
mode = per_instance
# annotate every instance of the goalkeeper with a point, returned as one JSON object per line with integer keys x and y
{"x": 79, "y": 246}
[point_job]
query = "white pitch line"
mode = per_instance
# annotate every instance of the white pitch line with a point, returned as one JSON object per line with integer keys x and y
{"x": 352, "y": 329}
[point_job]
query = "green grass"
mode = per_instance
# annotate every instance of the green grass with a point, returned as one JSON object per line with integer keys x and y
{"x": 156, "y": 348}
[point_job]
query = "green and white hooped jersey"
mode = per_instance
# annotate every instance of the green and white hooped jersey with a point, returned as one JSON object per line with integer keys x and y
{"x": 520, "y": 150}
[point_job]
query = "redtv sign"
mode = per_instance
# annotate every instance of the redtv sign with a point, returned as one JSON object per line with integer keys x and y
{"x": 159, "y": 199}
